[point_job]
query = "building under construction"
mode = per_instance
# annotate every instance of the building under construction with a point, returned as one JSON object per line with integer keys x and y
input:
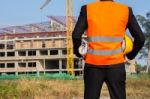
{"x": 36, "y": 48}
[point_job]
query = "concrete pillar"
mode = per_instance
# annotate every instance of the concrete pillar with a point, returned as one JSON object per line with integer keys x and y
{"x": 59, "y": 52}
{"x": 16, "y": 67}
{"x": 37, "y": 53}
{"x": 5, "y": 53}
{"x": 26, "y": 53}
{"x": 5, "y": 65}
{"x": 37, "y": 70}
{"x": 5, "y": 46}
{"x": 44, "y": 65}
{"x": 16, "y": 53}
{"x": 37, "y": 64}
{"x": 15, "y": 44}
{"x": 26, "y": 64}
{"x": 37, "y": 44}
{"x": 48, "y": 52}
{"x": 81, "y": 65}
{"x": 60, "y": 66}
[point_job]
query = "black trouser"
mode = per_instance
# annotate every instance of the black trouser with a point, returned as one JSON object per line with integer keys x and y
{"x": 113, "y": 76}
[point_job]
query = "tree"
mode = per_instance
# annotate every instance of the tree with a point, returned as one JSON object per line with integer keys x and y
{"x": 138, "y": 67}
{"x": 145, "y": 23}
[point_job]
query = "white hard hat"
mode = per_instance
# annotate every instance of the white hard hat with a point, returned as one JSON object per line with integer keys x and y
{"x": 83, "y": 48}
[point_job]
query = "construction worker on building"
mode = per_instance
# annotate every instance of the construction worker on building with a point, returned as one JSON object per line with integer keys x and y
{"x": 105, "y": 23}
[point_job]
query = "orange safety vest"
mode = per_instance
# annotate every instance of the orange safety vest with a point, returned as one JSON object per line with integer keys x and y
{"x": 106, "y": 29}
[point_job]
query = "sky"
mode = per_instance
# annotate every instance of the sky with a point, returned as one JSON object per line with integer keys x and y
{"x": 19, "y": 12}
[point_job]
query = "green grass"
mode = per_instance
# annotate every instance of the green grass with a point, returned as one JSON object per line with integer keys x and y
{"x": 138, "y": 87}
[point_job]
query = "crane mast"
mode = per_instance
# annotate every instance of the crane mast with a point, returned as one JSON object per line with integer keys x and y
{"x": 69, "y": 29}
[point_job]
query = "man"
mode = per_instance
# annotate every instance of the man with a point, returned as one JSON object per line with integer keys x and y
{"x": 105, "y": 23}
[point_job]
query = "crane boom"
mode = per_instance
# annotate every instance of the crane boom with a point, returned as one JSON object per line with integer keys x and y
{"x": 45, "y": 4}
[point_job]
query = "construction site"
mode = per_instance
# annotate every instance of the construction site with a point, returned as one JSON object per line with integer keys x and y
{"x": 40, "y": 50}
{"x": 37, "y": 48}
{"x": 42, "y": 47}
{"x": 34, "y": 48}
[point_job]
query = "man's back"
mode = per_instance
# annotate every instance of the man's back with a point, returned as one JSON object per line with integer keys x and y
{"x": 109, "y": 17}
{"x": 106, "y": 29}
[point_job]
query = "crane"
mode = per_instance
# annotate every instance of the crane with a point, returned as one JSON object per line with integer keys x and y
{"x": 69, "y": 29}
{"x": 45, "y": 4}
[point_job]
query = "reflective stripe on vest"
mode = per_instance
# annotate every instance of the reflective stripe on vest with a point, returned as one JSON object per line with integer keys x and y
{"x": 104, "y": 39}
{"x": 105, "y": 52}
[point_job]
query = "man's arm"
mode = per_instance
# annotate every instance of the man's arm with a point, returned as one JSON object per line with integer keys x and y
{"x": 136, "y": 33}
{"x": 79, "y": 29}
